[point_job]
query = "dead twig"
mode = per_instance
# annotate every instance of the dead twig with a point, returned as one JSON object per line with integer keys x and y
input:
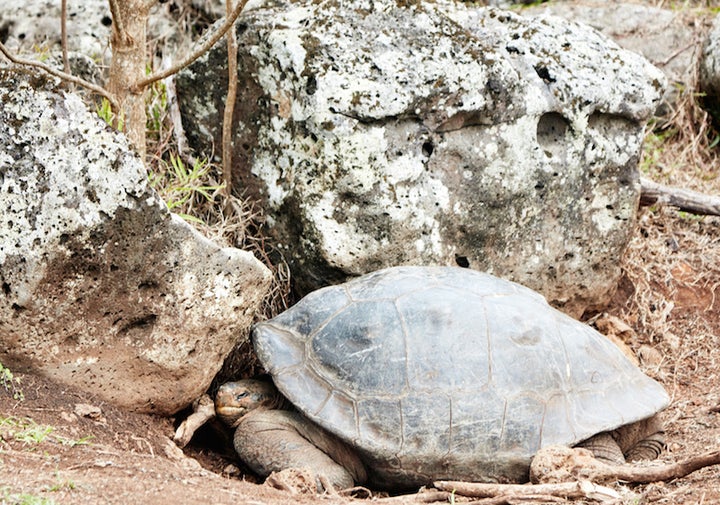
{"x": 661, "y": 473}
{"x": 203, "y": 411}
{"x": 585, "y": 488}
{"x": 63, "y": 36}
{"x": 686, "y": 200}
{"x": 194, "y": 55}
{"x": 60, "y": 74}
{"x": 426, "y": 496}
{"x": 581, "y": 489}
{"x": 227, "y": 130}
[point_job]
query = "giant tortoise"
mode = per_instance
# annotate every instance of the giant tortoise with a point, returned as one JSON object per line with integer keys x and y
{"x": 412, "y": 374}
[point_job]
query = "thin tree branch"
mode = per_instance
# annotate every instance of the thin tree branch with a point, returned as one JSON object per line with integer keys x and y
{"x": 61, "y": 75}
{"x": 227, "y": 129}
{"x": 63, "y": 36}
{"x": 202, "y": 49}
{"x": 118, "y": 24}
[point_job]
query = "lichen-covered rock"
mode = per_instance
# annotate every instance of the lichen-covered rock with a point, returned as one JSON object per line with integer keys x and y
{"x": 709, "y": 71}
{"x": 668, "y": 38}
{"x": 383, "y": 133}
{"x": 102, "y": 287}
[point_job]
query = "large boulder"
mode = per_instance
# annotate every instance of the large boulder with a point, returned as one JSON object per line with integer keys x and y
{"x": 383, "y": 133}
{"x": 102, "y": 287}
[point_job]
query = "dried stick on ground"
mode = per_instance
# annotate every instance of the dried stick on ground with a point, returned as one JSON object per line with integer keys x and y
{"x": 685, "y": 200}
{"x": 203, "y": 411}
{"x": 584, "y": 488}
{"x": 646, "y": 474}
{"x": 581, "y": 489}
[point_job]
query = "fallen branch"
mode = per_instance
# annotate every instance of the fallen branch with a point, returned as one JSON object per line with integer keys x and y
{"x": 646, "y": 474}
{"x": 60, "y": 75}
{"x": 652, "y": 193}
{"x": 423, "y": 496}
{"x": 195, "y": 54}
{"x": 203, "y": 411}
{"x": 581, "y": 489}
{"x": 585, "y": 474}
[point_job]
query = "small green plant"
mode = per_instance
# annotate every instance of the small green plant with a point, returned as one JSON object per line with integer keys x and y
{"x": 29, "y": 433}
{"x": 157, "y": 104}
{"x": 6, "y": 497}
{"x": 72, "y": 443}
{"x": 23, "y": 430}
{"x": 42, "y": 52}
{"x": 61, "y": 485}
{"x": 11, "y": 383}
{"x": 104, "y": 110}
{"x": 178, "y": 184}
{"x": 654, "y": 149}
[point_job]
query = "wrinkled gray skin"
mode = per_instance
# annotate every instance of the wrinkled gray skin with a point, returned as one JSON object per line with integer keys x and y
{"x": 270, "y": 440}
{"x": 415, "y": 374}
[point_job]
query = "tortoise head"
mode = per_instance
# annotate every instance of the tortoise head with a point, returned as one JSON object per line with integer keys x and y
{"x": 235, "y": 399}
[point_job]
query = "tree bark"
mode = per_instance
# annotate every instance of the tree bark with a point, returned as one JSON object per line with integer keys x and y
{"x": 127, "y": 68}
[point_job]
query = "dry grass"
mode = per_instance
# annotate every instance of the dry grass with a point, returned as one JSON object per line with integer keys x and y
{"x": 681, "y": 150}
{"x": 671, "y": 274}
{"x": 230, "y": 220}
{"x": 673, "y": 252}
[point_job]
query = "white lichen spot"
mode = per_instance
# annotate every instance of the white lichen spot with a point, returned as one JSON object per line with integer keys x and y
{"x": 603, "y": 220}
{"x": 287, "y": 47}
{"x": 221, "y": 288}
{"x": 406, "y": 168}
{"x": 343, "y": 244}
{"x": 490, "y": 150}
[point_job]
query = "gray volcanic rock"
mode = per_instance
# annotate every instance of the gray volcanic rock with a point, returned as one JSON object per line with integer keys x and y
{"x": 102, "y": 287}
{"x": 378, "y": 134}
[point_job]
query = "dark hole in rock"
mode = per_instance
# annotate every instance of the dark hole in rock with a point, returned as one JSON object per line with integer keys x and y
{"x": 311, "y": 85}
{"x": 427, "y": 148}
{"x": 106, "y": 21}
{"x": 544, "y": 74}
{"x": 462, "y": 261}
{"x": 552, "y": 130}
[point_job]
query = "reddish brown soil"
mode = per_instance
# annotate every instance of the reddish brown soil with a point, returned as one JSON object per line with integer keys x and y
{"x": 668, "y": 296}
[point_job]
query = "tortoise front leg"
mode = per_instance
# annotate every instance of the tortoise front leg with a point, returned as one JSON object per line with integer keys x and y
{"x": 274, "y": 440}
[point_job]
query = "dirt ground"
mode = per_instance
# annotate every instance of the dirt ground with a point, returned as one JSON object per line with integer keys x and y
{"x": 64, "y": 446}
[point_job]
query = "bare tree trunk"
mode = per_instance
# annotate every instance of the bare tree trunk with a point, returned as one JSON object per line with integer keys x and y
{"x": 127, "y": 67}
